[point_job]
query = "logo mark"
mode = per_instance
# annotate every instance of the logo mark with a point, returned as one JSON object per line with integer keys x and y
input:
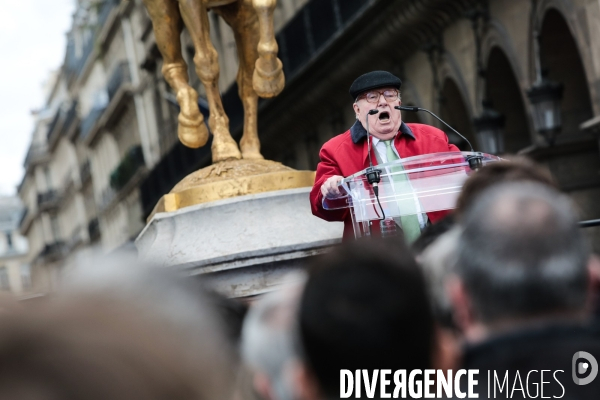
{"x": 590, "y": 365}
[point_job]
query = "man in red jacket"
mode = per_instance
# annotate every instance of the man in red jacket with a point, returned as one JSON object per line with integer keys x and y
{"x": 346, "y": 154}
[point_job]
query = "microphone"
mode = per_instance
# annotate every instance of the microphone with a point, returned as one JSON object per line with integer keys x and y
{"x": 475, "y": 162}
{"x": 373, "y": 174}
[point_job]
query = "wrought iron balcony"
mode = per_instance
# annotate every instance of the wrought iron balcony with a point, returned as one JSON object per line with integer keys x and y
{"x": 119, "y": 76}
{"x": 36, "y": 153}
{"x": 94, "y": 230}
{"x": 47, "y": 200}
{"x": 70, "y": 117}
{"x": 52, "y": 131}
{"x": 85, "y": 171}
{"x": 23, "y": 216}
{"x": 51, "y": 252}
{"x": 90, "y": 120}
{"x": 133, "y": 160}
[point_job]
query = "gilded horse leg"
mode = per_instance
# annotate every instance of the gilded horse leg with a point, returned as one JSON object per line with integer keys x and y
{"x": 242, "y": 18}
{"x": 167, "y": 29}
{"x": 268, "y": 79}
{"x": 206, "y": 60}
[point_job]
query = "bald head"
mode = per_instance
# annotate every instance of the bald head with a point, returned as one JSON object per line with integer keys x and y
{"x": 522, "y": 253}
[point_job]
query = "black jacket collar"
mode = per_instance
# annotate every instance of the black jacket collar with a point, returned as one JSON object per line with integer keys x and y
{"x": 358, "y": 132}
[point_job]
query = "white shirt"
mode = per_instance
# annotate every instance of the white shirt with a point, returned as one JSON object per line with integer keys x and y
{"x": 381, "y": 148}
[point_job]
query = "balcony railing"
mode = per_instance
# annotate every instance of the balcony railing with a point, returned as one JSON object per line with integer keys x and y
{"x": 48, "y": 199}
{"x": 119, "y": 76}
{"x": 70, "y": 117}
{"x": 35, "y": 153}
{"x": 52, "y": 127}
{"x": 23, "y": 216}
{"x": 85, "y": 171}
{"x": 133, "y": 160}
{"x": 51, "y": 252}
{"x": 94, "y": 230}
{"x": 90, "y": 120}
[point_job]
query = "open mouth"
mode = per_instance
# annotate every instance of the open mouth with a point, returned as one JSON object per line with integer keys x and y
{"x": 384, "y": 116}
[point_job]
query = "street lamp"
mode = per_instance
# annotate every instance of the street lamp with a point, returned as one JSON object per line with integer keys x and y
{"x": 489, "y": 129}
{"x": 545, "y": 97}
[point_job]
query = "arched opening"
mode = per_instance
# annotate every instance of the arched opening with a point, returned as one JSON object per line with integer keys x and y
{"x": 503, "y": 90}
{"x": 560, "y": 56}
{"x": 454, "y": 111}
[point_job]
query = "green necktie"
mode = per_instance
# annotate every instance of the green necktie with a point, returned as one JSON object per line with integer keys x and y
{"x": 410, "y": 223}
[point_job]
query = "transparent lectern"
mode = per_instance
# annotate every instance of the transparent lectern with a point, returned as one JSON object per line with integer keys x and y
{"x": 410, "y": 186}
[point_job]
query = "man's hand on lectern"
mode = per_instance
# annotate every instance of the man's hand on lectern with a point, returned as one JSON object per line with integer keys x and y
{"x": 329, "y": 189}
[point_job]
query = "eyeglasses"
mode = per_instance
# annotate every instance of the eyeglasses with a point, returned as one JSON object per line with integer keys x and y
{"x": 373, "y": 95}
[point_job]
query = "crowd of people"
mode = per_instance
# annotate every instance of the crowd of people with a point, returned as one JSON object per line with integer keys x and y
{"x": 506, "y": 284}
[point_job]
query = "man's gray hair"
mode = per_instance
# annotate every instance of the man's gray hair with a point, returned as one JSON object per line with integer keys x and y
{"x": 522, "y": 254}
{"x": 268, "y": 335}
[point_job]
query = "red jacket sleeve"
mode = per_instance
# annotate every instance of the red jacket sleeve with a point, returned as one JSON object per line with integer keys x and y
{"x": 451, "y": 147}
{"x": 328, "y": 167}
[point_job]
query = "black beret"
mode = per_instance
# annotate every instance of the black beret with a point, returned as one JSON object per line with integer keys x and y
{"x": 373, "y": 80}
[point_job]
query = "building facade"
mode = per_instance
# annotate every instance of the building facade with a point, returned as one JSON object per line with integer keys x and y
{"x": 15, "y": 273}
{"x": 105, "y": 147}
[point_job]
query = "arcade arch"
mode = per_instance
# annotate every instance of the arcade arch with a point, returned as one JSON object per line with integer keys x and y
{"x": 454, "y": 111}
{"x": 561, "y": 58}
{"x": 502, "y": 88}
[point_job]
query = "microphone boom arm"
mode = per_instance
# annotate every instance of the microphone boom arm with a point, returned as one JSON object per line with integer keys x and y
{"x": 417, "y": 109}
{"x": 475, "y": 161}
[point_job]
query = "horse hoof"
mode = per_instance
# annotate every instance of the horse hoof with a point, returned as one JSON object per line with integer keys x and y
{"x": 224, "y": 148}
{"x": 268, "y": 85}
{"x": 192, "y": 135}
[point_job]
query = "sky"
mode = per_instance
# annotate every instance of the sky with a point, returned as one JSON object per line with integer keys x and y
{"x": 32, "y": 44}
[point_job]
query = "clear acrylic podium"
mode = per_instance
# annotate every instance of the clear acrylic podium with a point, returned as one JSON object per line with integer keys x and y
{"x": 414, "y": 185}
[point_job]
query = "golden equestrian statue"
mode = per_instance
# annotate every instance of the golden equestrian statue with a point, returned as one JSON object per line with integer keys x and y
{"x": 260, "y": 73}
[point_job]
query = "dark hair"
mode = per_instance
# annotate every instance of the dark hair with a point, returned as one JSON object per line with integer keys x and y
{"x": 364, "y": 307}
{"x": 521, "y": 253}
{"x": 514, "y": 169}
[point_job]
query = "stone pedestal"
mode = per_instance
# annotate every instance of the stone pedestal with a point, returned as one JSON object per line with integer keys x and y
{"x": 242, "y": 245}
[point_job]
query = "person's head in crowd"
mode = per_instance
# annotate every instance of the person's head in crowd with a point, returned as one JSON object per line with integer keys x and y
{"x": 364, "y": 306}
{"x": 268, "y": 340}
{"x": 522, "y": 259}
{"x": 513, "y": 169}
{"x": 437, "y": 261}
{"x": 97, "y": 347}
